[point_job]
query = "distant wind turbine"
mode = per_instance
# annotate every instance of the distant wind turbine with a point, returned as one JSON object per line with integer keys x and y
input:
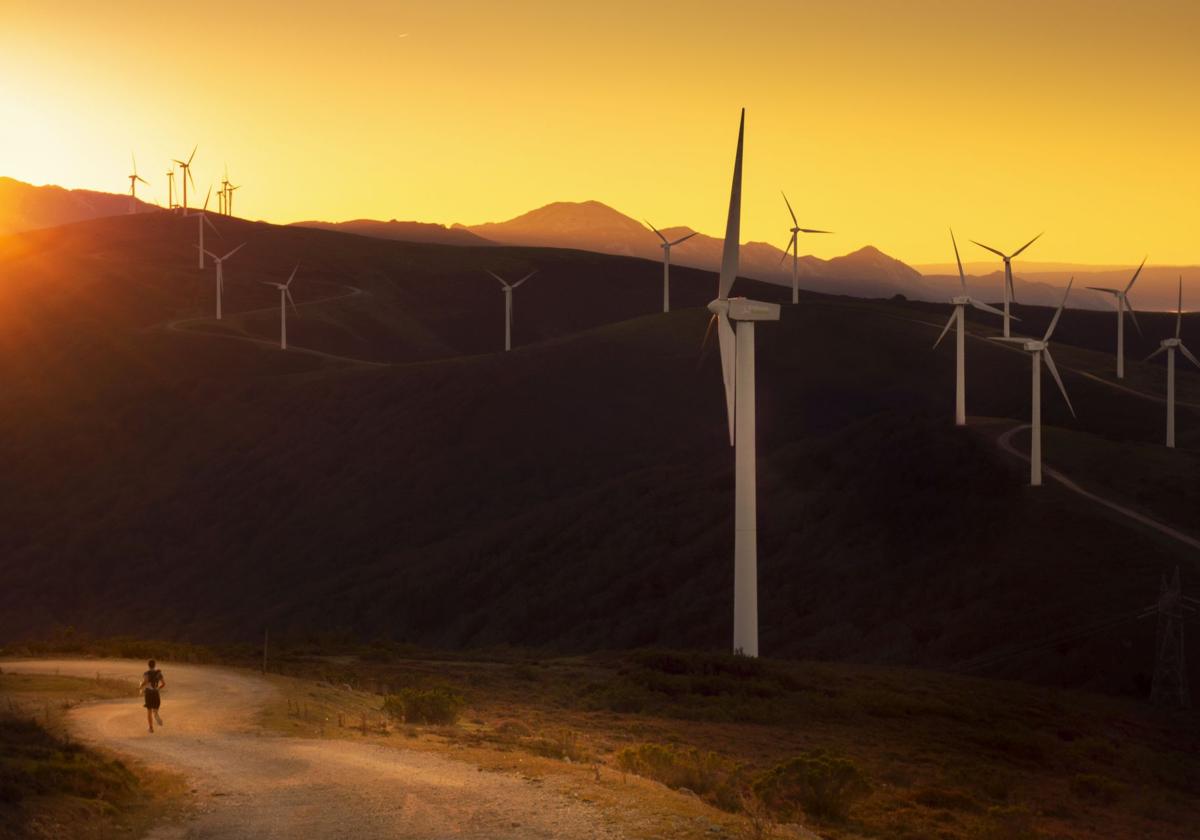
{"x": 1123, "y": 306}
{"x": 794, "y": 247}
{"x": 202, "y": 220}
{"x": 229, "y": 188}
{"x": 285, "y": 297}
{"x": 958, "y": 316}
{"x": 221, "y": 192}
{"x": 171, "y": 189}
{"x": 1010, "y": 293}
{"x": 187, "y": 175}
{"x": 1038, "y": 350}
{"x": 133, "y": 182}
{"x": 1170, "y": 345}
{"x": 735, "y": 319}
{"x": 508, "y": 290}
{"x": 220, "y": 261}
{"x": 666, "y": 249}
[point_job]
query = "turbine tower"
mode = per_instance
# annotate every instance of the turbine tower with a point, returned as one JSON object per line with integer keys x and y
{"x": 285, "y": 297}
{"x": 202, "y": 220}
{"x": 1170, "y": 345}
{"x": 133, "y": 182}
{"x": 186, "y": 176}
{"x": 508, "y": 290}
{"x": 958, "y": 316}
{"x": 220, "y": 261}
{"x": 1123, "y": 305}
{"x": 666, "y": 249}
{"x": 735, "y": 319}
{"x": 794, "y": 247}
{"x": 229, "y": 188}
{"x": 171, "y": 189}
{"x": 1010, "y": 294}
{"x": 1039, "y": 350}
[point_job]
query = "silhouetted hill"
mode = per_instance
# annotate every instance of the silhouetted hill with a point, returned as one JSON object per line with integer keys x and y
{"x": 26, "y": 207}
{"x": 573, "y": 494}
{"x": 402, "y": 231}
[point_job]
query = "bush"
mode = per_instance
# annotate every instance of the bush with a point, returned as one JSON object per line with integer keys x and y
{"x": 708, "y": 775}
{"x": 439, "y": 706}
{"x": 1096, "y": 788}
{"x": 819, "y": 783}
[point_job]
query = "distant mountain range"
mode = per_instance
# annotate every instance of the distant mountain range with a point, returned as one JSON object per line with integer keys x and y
{"x": 26, "y": 207}
{"x": 593, "y": 226}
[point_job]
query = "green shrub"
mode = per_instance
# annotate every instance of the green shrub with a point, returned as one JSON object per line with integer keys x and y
{"x": 1096, "y": 788}
{"x": 710, "y": 776}
{"x": 439, "y": 706}
{"x": 819, "y": 783}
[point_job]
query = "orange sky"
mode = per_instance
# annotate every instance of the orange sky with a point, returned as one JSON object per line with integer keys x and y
{"x": 885, "y": 121}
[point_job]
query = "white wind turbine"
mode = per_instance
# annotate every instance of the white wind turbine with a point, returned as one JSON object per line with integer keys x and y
{"x": 186, "y": 176}
{"x": 794, "y": 247}
{"x": 1170, "y": 345}
{"x": 133, "y": 182}
{"x": 958, "y": 316}
{"x": 285, "y": 297}
{"x": 508, "y": 290}
{"x": 666, "y": 249}
{"x": 202, "y": 220}
{"x": 171, "y": 189}
{"x": 1123, "y": 306}
{"x": 220, "y": 262}
{"x": 737, "y": 370}
{"x": 1010, "y": 293}
{"x": 1038, "y": 350}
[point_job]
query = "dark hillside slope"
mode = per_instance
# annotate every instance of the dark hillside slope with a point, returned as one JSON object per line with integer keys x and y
{"x": 573, "y": 494}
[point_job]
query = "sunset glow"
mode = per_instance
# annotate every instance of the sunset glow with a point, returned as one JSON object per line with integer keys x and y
{"x": 884, "y": 121}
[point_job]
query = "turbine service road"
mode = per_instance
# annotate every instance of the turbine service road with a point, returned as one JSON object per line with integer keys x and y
{"x": 253, "y": 784}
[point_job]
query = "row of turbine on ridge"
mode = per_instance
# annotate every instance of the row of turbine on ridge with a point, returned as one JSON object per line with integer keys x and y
{"x": 224, "y": 195}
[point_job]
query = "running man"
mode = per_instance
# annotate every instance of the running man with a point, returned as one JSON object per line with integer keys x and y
{"x": 152, "y": 683}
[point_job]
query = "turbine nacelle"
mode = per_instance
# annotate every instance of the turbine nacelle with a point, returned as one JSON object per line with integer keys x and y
{"x": 1168, "y": 343}
{"x": 744, "y": 309}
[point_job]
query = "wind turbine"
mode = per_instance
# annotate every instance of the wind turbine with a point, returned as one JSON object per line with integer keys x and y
{"x": 958, "y": 316}
{"x": 735, "y": 319}
{"x": 1038, "y": 350}
{"x": 794, "y": 247}
{"x": 1010, "y": 293}
{"x": 202, "y": 220}
{"x": 1170, "y": 345}
{"x": 229, "y": 188}
{"x": 186, "y": 176}
{"x": 508, "y": 290}
{"x": 221, "y": 192}
{"x": 171, "y": 189}
{"x": 220, "y": 261}
{"x": 1123, "y": 305}
{"x": 133, "y": 182}
{"x": 666, "y": 249}
{"x": 285, "y": 297}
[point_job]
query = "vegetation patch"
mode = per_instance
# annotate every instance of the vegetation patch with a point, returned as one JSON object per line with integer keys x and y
{"x": 819, "y": 783}
{"x": 1093, "y": 787}
{"x": 437, "y": 706}
{"x": 712, "y": 777}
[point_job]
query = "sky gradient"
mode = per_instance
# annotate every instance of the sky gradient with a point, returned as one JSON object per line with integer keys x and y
{"x": 884, "y": 121}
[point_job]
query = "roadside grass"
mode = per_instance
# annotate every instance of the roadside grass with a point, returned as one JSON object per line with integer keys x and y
{"x": 919, "y": 754}
{"x": 52, "y": 786}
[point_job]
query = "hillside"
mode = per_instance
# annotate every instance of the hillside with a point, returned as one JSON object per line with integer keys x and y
{"x": 26, "y": 207}
{"x": 402, "y": 231}
{"x": 574, "y": 494}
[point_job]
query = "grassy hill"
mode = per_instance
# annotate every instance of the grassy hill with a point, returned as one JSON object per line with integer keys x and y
{"x": 574, "y": 494}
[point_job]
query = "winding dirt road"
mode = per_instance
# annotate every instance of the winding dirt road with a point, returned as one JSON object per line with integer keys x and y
{"x": 255, "y": 785}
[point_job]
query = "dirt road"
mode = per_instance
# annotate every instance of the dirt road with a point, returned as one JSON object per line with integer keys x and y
{"x": 255, "y": 785}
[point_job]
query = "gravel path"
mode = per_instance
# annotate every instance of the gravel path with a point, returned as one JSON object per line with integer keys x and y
{"x": 255, "y": 785}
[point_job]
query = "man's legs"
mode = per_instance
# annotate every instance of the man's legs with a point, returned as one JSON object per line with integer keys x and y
{"x": 149, "y": 719}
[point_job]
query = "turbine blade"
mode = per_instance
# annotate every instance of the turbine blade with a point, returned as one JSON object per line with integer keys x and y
{"x": 523, "y": 279}
{"x": 208, "y": 222}
{"x": 704, "y": 342}
{"x": 498, "y": 277}
{"x": 946, "y": 329}
{"x": 288, "y": 293}
{"x": 207, "y": 196}
{"x": 684, "y": 238}
{"x": 733, "y": 225}
{"x": 962, "y": 277}
{"x": 193, "y": 154}
{"x": 210, "y": 253}
{"x": 787, "y": 251}
{"x": 1189, "y": 355}
{"x": 985, "y": 308}
{"x": 653, "y": 228}
{"x": 1156, "y": 352}
{"x": 234, "y": 251}
{"x": 989, "y": 248}
{"x": 789, "y": 207}
{"x": 1058, "y": 312}
{"x": 143, "y": 180}
{"x": 1007, "y": 339}
{"x": 292, "y": 276}
{"x": 728, "y": 345}
{"x": 1026, "y": 245}
{"x": 1133, "y": 315}
{"x": 1012, "y": 287}
{"x": 813, "y": 230}
{"x": 1104, "y": 289}
{"x": 1136, "y": 273}
{"x": 1058, "y": 379}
